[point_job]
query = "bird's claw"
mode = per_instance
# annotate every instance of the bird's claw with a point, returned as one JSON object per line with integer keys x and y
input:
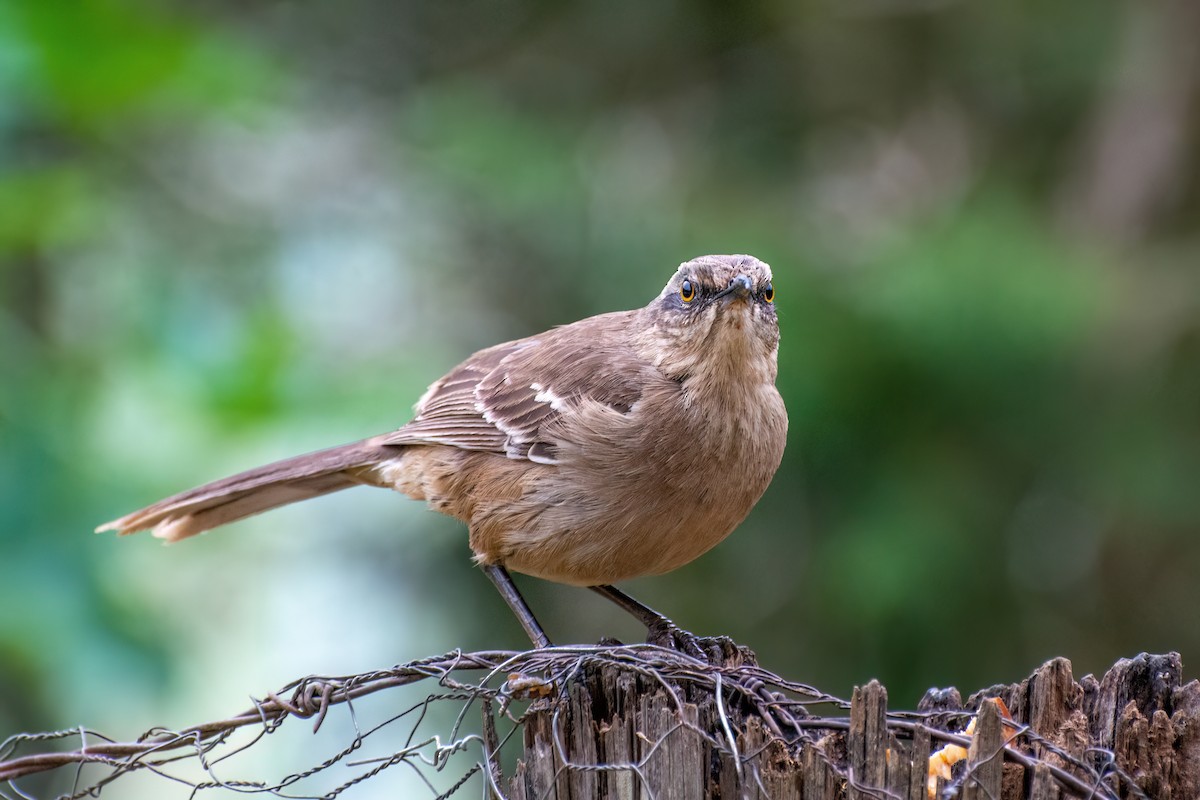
{"x": 717, "y": 651}
{"x": 665, "y": 633}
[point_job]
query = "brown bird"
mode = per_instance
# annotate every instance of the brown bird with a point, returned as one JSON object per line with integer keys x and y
{"x": 622, "y": 445}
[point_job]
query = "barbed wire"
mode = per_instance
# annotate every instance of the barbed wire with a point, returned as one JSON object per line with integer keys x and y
{"x": 483, "y": 700}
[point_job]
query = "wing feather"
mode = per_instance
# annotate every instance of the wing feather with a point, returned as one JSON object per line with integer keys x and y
{"x": 509, "y": 399}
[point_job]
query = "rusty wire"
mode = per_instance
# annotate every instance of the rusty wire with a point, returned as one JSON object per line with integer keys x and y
{"x": 788, "y": 710}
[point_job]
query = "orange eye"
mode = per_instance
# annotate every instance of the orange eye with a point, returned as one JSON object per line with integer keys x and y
{"x": 687, "y": 291}
{"x": 768, "y": 293}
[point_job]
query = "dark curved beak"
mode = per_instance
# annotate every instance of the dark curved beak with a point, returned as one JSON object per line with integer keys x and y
{"x": 741, "y": 286}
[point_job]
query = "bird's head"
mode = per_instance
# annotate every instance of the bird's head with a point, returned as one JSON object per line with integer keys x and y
{"x": 715, "y": 315}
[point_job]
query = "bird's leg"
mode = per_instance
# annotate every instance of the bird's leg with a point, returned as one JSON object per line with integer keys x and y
{"x": 659, "y": 630}
{"x": 508, "y": 590}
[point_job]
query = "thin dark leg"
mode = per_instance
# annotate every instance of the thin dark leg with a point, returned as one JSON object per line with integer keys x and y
{"x": 644, "y": 613}
{"x": 659, "y": 630}
{"x": 508, "y": 590}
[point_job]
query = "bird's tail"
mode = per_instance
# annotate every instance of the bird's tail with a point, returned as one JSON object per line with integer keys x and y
{"x": 288, "y": 481}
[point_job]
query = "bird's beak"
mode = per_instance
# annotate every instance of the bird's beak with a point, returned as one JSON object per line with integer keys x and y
{"x": 741, "y": 286}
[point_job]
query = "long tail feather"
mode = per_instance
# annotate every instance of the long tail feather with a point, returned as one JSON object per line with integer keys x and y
{"x": 288, "y": 481}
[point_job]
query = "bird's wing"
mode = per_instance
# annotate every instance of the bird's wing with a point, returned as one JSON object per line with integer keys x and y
{"x": 509, "y": 399}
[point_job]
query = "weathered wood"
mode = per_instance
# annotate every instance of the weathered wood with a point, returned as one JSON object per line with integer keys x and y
{"x": 867, "y": 742}
{"x": 922, "y": 746}
{"x": 779, "y": 776}
{"x": 819, "y": 781}
{"x": 985, "y": 760}
{"x": 1186, "y": 722}
{"x": 582, "y": 744}
{"x": 633, "y": 733}
{"x": 672, "y": 751}
{"x": 1043, "y": 786}
{"x": 616, "y": 745}
{"x": 899, "y": 758}
{"x": 620, "y": 780}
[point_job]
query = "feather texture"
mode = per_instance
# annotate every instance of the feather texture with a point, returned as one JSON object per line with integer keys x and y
{"x": 251, "y": 492}
{"x": 621, "y": 445}
{"x": 511, "y": 399}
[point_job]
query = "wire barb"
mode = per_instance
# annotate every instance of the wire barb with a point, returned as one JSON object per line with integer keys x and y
{"x": 481, "y": 701}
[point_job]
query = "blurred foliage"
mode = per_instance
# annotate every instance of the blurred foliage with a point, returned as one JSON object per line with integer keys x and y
{"x": 230, "y": 232}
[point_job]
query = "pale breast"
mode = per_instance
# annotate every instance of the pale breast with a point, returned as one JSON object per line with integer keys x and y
{"x": 643, "y": 495}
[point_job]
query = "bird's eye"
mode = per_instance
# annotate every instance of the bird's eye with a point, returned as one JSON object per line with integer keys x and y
{"x": 768, "y": 293}
{"x": 687, "y": 291}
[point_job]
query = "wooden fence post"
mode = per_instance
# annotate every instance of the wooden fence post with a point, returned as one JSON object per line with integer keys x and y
{"x": 622, "y": 733}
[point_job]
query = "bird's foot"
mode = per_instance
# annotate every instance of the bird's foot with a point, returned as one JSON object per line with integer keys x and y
{"x": 665, "y": 633}
{"x": 719, "y": 651}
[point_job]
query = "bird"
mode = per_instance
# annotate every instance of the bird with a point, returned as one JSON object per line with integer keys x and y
{"x": 621, "y": 445}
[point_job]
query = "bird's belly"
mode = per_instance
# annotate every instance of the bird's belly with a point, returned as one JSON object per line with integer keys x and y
{"x": 623, "y": 508}
{"x": 590, "y": 558}
{"x": 642, "y": 533}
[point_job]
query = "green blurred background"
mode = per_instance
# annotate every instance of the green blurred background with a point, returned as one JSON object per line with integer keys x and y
{"x": 232, "y": 232}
